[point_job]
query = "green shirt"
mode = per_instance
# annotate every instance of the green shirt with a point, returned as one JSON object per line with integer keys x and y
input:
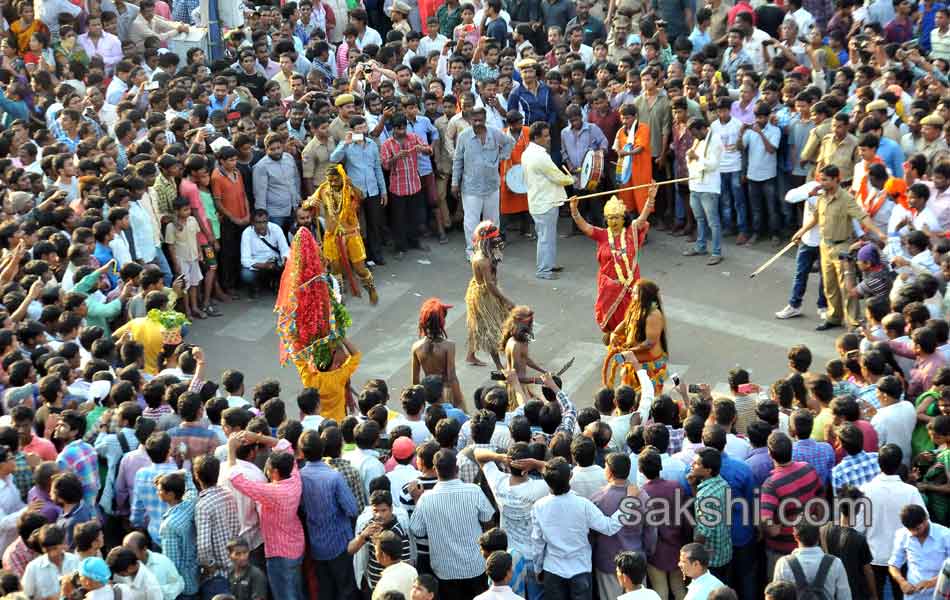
{"x": 712, "y": 514}
{"x": 824, "y": 418}
{"x": 211, "y": 213}
{"x": 449, "y": 19}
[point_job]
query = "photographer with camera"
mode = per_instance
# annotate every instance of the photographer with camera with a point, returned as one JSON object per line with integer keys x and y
{"x": 877, "y": 278}
{"x": 263, "y": 252}
{"x": 833, "y": 216}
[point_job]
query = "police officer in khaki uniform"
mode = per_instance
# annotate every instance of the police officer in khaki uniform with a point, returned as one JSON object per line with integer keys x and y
{"x": 833, "y": 215}
{"x": 931, "y": 143}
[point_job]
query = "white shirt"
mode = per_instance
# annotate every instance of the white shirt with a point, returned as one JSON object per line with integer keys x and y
{"x": 544, "y": 180}
{"x": 560, "y": 533}
{"x": 737, "y": 447}
{"x": 753, "y": 47}
{"x": 514, "y": 505}
{"x": 728, "y": 134}
{"x": 120, "y": 249}
{"x": 144, "y": 583}
{"x": 248, "y": 517}
{"x": 10, "y": 508}
{"x": 370, "y": 36}
{"x": 254, "y": 251}
{"x": 498, "y": 592}
{"x": 420, "y": 433}
{"x": 398, "y": 578}
{"x": 41, "y": 577}
{"x": 704, "y": 171}
{"x": 585, "y": 481}
{"x": 702, "y": 586}
{"x": 641, "y": 594}
{"x": 427, "y": 45}
{"x": 887, "y": 495}
{"x": 895, "y": 424}
{"x": 805, "y": 22}
{"x": 117, "y": 88}
{"x": 924, "y": 218}
{"x": 672, "y": 469}
{"x": 311, "y": 422}
{"x": 586, "y": 53}
{"x": 398, "y": 477}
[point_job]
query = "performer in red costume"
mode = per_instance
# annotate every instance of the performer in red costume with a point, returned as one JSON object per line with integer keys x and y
{"x": 618, "y": 248}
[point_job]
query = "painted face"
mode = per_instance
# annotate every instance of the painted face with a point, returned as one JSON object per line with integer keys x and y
{"x": 614, "y": 223}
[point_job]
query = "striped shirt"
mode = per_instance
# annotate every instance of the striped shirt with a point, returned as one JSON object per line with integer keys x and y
{"x": 81, "y": 458}
{"x": 405, "y": 499}
{"x": 374, "y": 570}
{"x": 277, "y": 504}
{"x": 451, "y": 515}
{"x": 792, "y": 480}
{"x": 328, "y": 507}
{"x": 216, "y": 519}
{"x": 17, "y": 556}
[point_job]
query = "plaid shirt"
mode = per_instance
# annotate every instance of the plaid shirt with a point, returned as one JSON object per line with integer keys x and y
{"x": 819, "y": 455}
{"x": 147, "y": 507}
{"x": 352, "y": 477}
{"x": 179, "y": 541}
{"x": 22, "y": 475}
{"x": 468, "y": 468}
{"x": 711, "y": 526}
{"x": 81, "y": 458}
{"x": 855, "y": 470}
{"x": 217, "y": 523}
{"x": 17, "y": 556}
{"x": 676, "y": 440}
{"x": 164, "y": 192}
{"x": 403, "y": 172}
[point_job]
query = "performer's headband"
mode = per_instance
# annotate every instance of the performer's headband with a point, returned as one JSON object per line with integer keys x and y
{"x": 487, "y": 235}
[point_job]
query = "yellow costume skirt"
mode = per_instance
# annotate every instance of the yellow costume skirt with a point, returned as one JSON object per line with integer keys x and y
{"x": 355, "y": 250}
{"x": 486, "y": 315}
{"x": 656, "y": 371}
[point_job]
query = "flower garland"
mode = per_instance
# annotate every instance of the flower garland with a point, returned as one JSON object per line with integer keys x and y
{"x": 628, "y": 280}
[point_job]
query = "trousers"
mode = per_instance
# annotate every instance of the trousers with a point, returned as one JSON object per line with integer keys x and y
{"x": 475, "y": 209}
{"x": 545, "y": 224}
{"x": 841, "y": 307}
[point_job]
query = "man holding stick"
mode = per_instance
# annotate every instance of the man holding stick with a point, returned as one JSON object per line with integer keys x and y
{"x": 834, "y": 212}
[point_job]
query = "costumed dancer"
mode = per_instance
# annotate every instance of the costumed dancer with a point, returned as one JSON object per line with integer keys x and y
{"x": 434, "y": 354}
{"x": 634, "y": 164}
{"x": 517, "y": 333}
{"x": 643, "y": 331}
{"x": 487, "y": 306}
{"x": 337, "y": 199}
{"x": 618, "y": 257}
{"x": 513, "y": 203}
{"x": 311, "y": 327}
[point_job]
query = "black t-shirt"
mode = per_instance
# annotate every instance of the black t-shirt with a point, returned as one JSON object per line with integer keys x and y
{"x": 852, "y": 548}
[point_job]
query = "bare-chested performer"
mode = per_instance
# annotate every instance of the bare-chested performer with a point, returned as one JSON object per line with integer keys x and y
{"x": 434, "y": 354}
{"x": 487, "y": 305}
{"x": 516, "y": 335}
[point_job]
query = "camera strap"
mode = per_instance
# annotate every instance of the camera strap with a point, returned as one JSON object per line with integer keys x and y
{"x": 269, "y": 245}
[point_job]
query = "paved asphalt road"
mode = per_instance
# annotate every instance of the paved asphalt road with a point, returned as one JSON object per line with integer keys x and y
{"x": 717, "y": 318}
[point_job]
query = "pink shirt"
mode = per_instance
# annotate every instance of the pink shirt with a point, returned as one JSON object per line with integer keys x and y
{"x": 41, "y": 447}
{"x": 189, "y": 191}
{"x": 278, "y": 503}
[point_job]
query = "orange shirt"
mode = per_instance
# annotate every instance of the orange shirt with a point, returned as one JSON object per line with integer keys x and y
{"x": 24, "y": 33}
{"x": 230, "y": 193}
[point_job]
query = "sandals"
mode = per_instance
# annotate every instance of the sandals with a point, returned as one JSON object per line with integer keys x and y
{"x": 211, "y": 311}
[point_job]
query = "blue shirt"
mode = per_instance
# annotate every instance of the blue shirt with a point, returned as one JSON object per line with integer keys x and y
{"x": 763, "y": 165}
{"x": 475, "y": 166}
{"x": 215, "y": 104}
{"x": 103, "y": 254}
{"x": 699, "y": 39}
{"x": 739, "y": 477}
{"x": 927, "y": 24}
{"x": 79, "y": 514}
{"x": 923, "y": 560}
{"x": 427, "y": 132}
{"x": 535, "y": 108}
{"x": 363, "y": 165}
{"x": 12, "y": 110}
{"x": 329, "y": 508}
{"x": 892, "y": 155}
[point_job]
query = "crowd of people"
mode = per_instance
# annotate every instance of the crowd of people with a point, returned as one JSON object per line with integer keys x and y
{"x": 144, "y": 186}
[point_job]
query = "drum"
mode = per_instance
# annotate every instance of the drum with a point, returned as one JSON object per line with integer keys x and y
{"x": 514, "y": 179}
{"x": 624, "y": 167}
{"x": 592, "y": 170}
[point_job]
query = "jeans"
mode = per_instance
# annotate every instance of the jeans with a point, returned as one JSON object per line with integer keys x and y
{"x": 706, "y": 207}
{"x": 733, "y": 200}
{"x": 804, "y": 259}
{"x": 258, "y": 279}
{"x": 214, "y": 586}
{"x": 545, "y": 224}
{"x": 577, "y": 587}
{"x": 162, "y": 263}
{"x": 476, "y": 208}
{"x": 762, "y": 194}
{"x": 284, "y": 578}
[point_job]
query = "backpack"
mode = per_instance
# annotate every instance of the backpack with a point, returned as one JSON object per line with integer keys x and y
{"x": 481, "y": 482}
{"x": 815, "y": 589}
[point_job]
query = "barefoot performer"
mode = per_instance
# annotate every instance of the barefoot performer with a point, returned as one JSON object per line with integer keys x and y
{"x": 434, "y": 354}
{"x": 618, "y": 254}
{"x": 643, "y": 331}
{"x": 311, "y": 327}
{"x": 487, "y": 305}
{"x": 337, "y": 199}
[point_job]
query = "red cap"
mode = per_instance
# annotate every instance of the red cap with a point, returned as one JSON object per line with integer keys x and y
{"x": 403, "y": 448}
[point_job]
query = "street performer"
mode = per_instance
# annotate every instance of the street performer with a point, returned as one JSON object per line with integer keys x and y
{"x": 642, "y": 331}
{"x": 337, "y": 199}
{"x": 487, "y": 306}
{"x": 618, "y": 248}
{"x": 311, "y": 328}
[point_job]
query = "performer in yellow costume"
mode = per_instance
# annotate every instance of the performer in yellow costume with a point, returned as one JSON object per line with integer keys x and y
{"x": 338, "y": 201}
{"x": 643, "y": 330}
